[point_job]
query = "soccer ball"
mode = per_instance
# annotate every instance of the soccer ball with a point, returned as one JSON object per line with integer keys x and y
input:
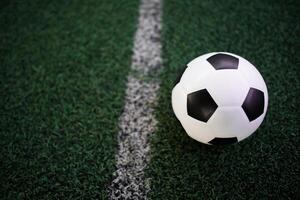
{"x": 220, "y": 98}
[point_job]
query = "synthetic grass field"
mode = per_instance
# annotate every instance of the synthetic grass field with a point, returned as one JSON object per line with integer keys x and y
{"x": 63, "y": 75}
{"x": 63, "y": 79}
{"x": 265, "y": 166}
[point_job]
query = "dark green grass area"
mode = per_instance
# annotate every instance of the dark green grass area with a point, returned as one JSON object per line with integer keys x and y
{"x": 63, "y": 75}
{"x": 264, "y": 166}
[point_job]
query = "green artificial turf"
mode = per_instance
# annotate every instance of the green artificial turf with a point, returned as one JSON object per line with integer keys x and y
{"x": 62, "y": 85}
{"x": 264, "y": 166}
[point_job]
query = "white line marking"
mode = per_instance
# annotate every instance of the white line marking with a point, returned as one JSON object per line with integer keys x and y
{"x": 137, "y": 122}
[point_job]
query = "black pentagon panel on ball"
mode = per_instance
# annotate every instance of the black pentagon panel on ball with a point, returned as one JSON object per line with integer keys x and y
{"x": 223, "y": 61}
{"x": 200, "y": 105}
{"x": 254, "y": 104}
{"x": 223, "y": 141}
{"x": 182, "y": 70}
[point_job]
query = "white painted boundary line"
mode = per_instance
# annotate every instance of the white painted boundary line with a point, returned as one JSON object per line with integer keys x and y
{"x": 137, "y": 122}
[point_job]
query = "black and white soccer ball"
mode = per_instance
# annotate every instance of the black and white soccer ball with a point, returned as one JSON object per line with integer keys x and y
{"x": 220, "y": 98}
